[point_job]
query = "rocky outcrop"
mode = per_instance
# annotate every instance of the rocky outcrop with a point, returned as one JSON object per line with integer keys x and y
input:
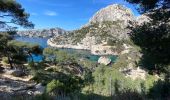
{"x": 114, "y": 12}
{"x": 43, "y": 33}
{"x": 142, "y": 19}
{"x": 94, "y": 49}
{"x": 104, "y": 60}
{"x": 134, "y": 74}
{"x": 104, "y": 34}
{"x": 39, "y": 89}
{"x": 109, "y": 23}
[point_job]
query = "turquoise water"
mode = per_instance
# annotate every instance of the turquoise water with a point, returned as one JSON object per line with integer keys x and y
{"x": 43, "y": 43}
{"x": 37, "y": 40}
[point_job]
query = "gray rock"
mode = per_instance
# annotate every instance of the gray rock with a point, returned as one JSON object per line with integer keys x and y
{"x": 17, "y": 73}
{"x": 113, "y": 12}
{"x": 39, "y": 89}
{"x": 104, "y": 60}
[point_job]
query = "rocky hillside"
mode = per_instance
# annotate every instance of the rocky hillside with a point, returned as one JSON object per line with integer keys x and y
{"x": 105, "y": 33}
{"x": 43, "y": 32}
{"x": 113, "y": 12}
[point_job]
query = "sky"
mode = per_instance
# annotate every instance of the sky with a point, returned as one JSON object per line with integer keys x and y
{"x": 66, "y": 14}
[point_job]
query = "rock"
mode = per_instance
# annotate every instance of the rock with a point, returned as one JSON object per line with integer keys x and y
{"x": 143, "y": 19}
{"x": 113, "y": 12}
{"x": 17, "y": 73}
{"x": 104, "y": 60}
{"x": 39, "y": 89}
{"x": 125, "y": 51}
{"x": 134, "y": 73}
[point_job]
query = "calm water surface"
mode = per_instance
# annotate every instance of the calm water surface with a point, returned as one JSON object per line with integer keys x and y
{"x": 43, "y": 43}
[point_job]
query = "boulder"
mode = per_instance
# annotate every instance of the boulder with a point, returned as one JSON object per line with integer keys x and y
{"x": 39, "y": 89}
{"x": 104, "y": 60}
{"x": 17, "y": 73}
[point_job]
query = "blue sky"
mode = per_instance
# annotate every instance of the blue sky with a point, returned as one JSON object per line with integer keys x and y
{"x": 66, "y": 14}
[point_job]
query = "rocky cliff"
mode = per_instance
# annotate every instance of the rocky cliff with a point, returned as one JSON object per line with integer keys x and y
{"x": 43, "y": 32}
{"x": 103, "y": 34}
{"x": 112, "y": 13}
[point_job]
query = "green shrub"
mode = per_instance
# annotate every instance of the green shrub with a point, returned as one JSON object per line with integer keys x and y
{"x": 31, "y": 64}
{"x": 55, "y": 86}
{"x": 5, "y": 60}
{"x": 109, "y": 80}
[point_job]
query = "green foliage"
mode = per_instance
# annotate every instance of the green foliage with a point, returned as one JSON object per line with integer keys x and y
{"x": 36, "y": 66}
{"x": 4, "y": 38}
{"x": 161, "y": 90}
{"x": 49, "y": 51}
{"x": 50, "y": 54}
{"x": 147, "y": 5}
{"x": 109, "y": 81}
{"x": 121, "y": 62}
{"x": 99, "y": 30}
{"x": 15, "y": 12}
{"x": 58, "y": 56}
{"x": 88, "y": 64}
{"x": 41, "y": 76}
{"x": 153, "y": 39}
{"x": 54, "y": 85}
{"x": 111, "y": 42}
{"x": 24, "y": 49}
{"x": 5, "y": 60}
{"x": 149, "y": 83}
{"x": 64, "y": 57}
{"x": 104, "y": 77}
{"x": 21, "y": 44}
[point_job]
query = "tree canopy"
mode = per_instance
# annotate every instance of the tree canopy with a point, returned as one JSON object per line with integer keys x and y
{"x": 148, "y": 5}
{"x": 12, "y": 12}
{"x": 154, "y": 40}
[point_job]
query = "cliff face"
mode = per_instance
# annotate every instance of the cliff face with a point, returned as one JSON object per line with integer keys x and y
{"x": 113, "y": 12}
{"x": 43, "y": 33}
{"x": 103, "y": 34}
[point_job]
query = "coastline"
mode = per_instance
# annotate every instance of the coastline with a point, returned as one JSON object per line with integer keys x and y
{"x": 94, "y": 49}
{"x": 68, "y": 46}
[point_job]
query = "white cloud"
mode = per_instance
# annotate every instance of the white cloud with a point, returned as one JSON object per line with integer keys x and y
{"x": 50, "y": 13}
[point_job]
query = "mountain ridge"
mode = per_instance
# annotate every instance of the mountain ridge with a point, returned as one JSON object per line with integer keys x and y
{"x": 43, "y": 32}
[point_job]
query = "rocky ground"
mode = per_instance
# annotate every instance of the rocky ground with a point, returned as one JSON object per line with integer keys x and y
{"x": 14, "y": 88}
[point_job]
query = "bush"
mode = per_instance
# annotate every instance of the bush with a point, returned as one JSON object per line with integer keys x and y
{"x": 55, "y": 86}
{"x": 5, "y": 60}
{"x": 106, "y": 78}
{"x": 31, "y": 64}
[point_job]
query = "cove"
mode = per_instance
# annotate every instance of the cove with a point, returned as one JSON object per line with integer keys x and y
{"x": 43, "y": 43}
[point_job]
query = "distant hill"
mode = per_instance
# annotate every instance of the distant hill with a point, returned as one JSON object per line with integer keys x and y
{"x": 43, "y": 32}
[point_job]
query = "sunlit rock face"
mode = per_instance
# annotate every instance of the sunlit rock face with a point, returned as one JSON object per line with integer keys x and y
{"x": 142, "y": 19}
{"x": 113, "y": 12}
{"x": 104, "y": 60}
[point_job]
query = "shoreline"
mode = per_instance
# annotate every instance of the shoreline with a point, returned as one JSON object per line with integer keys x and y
{"x": 94, "y": 50}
